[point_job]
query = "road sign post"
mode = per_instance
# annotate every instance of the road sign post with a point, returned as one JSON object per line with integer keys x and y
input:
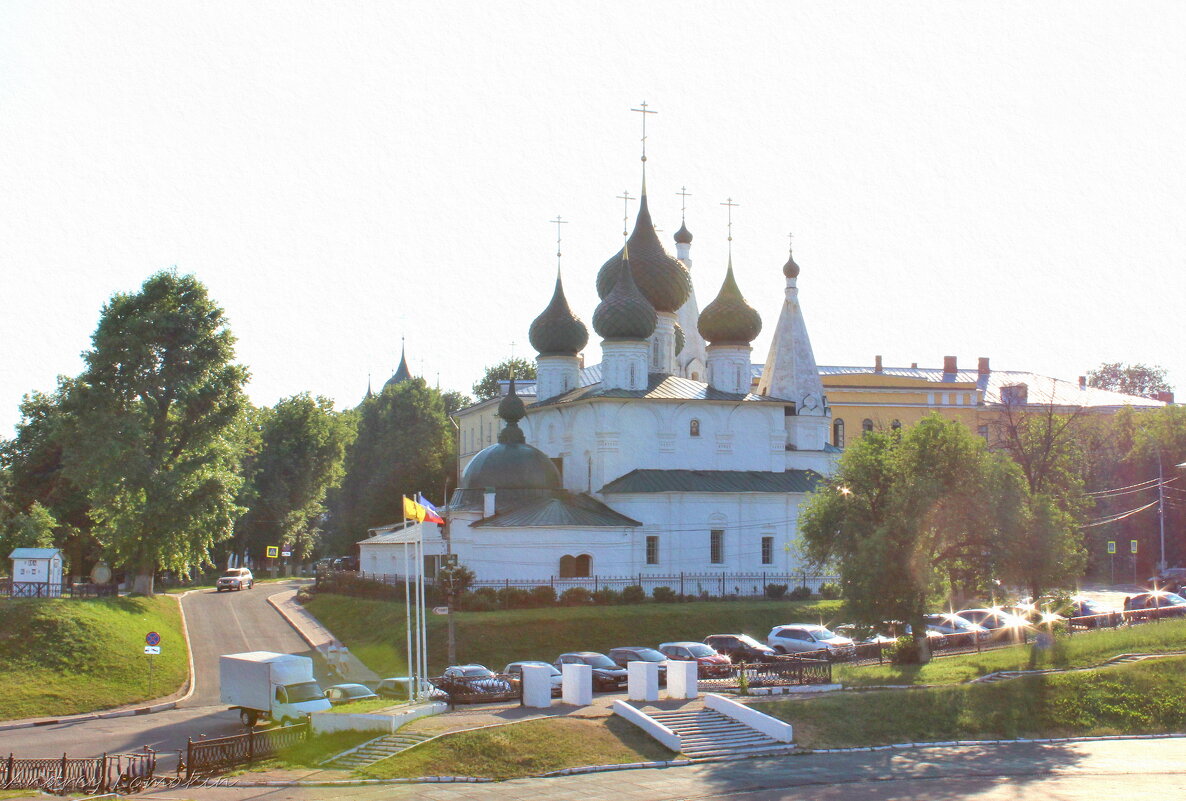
{"x": 1132, "y": 546}
{"x": 1112, "y": 559}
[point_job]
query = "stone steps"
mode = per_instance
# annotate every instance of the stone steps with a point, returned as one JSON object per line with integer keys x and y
{"x": 377, "y": 749}
{"x": 705, "y": 732}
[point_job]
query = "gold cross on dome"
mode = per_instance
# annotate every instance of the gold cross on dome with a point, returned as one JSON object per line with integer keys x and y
{"x": 730, "y": 205}
{"x": 625, "y": 198}
{"x": 644, "y": 111}
{"x": 558, "y": 222}
{"x": 684, "y": 195}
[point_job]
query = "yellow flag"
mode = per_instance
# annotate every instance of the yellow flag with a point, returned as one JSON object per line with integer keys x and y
{"x": 413, "y": 510}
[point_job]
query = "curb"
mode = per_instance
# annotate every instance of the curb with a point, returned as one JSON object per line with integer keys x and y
{"x": 276, "y": 605}
{"x": 151, "y": 709}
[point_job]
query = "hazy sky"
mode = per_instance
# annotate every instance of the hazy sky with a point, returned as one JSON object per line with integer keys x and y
{"x": 992, "y": 179}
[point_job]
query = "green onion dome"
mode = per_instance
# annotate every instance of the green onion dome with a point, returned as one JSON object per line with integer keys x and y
{"x": 557, "y": 331}
{"x": 510, "y": 463}
{"x": 729, "y": 320}
{"x": 663, "y": 279}
{"x": 681, "y": 339}
{"x": 624, "y": 313}
{"x": 683, "y": 236}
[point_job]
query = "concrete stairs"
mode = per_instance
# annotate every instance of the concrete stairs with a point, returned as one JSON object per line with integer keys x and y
{"x": 377, "y": 749}
{"x": 704, "y": 732}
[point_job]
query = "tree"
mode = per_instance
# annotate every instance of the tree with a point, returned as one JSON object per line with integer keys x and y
{"x": 455, "y": 401}
{"x": 1131, "y": 379}
{"x": 404, "y": 446}
{"x": 911, "y": 514}
{"x": 488, "y": 386}
{"x": 152, "y": 430}
{"x": 300, "y": 455}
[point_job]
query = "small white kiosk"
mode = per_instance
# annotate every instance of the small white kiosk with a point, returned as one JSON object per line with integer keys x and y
{"x": 36, "y": 572}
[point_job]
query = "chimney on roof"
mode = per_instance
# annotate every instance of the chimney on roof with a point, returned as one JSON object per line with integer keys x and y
{"x": 1082, "y": 382}
{"x": 982, "y": 367}
{"x": 1165, "y": 396}
{"x": 913, "y": 365}
{"x": 877, "y": 364}
{"x": 949, "y": 364}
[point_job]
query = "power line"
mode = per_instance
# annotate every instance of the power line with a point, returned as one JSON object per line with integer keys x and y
{"x": 1119, "y": 516}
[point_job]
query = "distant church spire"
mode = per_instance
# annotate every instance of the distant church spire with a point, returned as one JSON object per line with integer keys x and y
{"x": 402, "y": 373}
{"x": 790, "y": 371}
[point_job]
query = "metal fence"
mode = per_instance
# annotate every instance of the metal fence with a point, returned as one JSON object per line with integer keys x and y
{"x": 115, "y": 772}
{"x": 35, "y": 589}
{"x": 204, "y": 756}
{"x": 711, "y": 583}
{"x": 782, "y": 671}
{"x": 479, "y": 689}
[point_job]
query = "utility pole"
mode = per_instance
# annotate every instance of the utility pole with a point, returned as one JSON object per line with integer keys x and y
{"x": 1161, "y": 512}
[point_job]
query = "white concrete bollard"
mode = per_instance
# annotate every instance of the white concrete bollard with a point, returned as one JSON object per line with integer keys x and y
{"x": 682, "y": 679}
{"x": 642, "y": 681}
{"x": 578, "y": 684}
{"x": 537, "y": 686}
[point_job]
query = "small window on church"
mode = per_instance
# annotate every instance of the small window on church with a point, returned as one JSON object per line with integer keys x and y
{"x": 694, "y": 428}
{"x": 716, "y": 546}
{"x": 652, "y": 549}
{"x": 695, "y": 376}
{"x": 583, "y": 566}
{"x": 768, "y": 550}
{"x": 633, "y": 374}
{"x": 866, "y": 426}
{"x": 567, "y": 566}
{"x": 838, "y": 433}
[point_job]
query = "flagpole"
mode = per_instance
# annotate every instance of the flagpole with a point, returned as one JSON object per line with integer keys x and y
{"x": 414, "y": 691}
{"x": 423, "y": 611}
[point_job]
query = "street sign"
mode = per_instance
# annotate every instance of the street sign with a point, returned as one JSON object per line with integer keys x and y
{"x": 440, "y": 610}
{"x": 273, "y": 551}
{"x": 152, "y": 650}
{"x": 1132, "y": 544}
{"x": 286, "y": 554}
{"x": 450, "y": 560}
{"x": 152, "y": 638}
{"x": 1111, "y": 546}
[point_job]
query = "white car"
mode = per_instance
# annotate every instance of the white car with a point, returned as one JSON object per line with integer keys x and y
{"x": 516, "y": 669}
{"x": 803, "y": 637}
{"x": 237, "y": 578}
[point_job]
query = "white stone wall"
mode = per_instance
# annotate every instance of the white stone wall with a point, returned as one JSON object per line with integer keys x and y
{"x": 729, "y": 367}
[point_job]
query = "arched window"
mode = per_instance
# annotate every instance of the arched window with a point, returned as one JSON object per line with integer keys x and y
{"x": 695, "y": 376}
{"x": 589, "y": 472}
{"x": 567, "y": 566}
{"x": 838, "y": 433}
{"x": 694, "y": 428}
{"x": 583, "y": 566}
{"x": 633, "y": 374}
{"x": 866, "y": 426}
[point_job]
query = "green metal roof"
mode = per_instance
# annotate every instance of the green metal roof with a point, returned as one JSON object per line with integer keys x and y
{"x": 567, "y": 510}
{"x": 714, "y": 481}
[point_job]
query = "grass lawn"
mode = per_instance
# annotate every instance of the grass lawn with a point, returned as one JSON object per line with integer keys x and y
{"x": 1139, "y": 698}
{"x": 63, "y": 656}
{"x": 1077, "y": 650}
{"x": 524, "y": 749}
{"x": 374, "y": 630}
{"x": 365, "y": 705}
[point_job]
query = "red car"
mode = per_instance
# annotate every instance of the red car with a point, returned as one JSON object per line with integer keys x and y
{"x": 712, "y": 665}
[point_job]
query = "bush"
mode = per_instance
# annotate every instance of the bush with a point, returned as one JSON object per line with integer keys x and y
{"x": 829, "y": 592}
{"x": 543, "y": 596}
{"x": 634, "y": 594}
{"x": 576, "y": 596}
{"x": 800, "y": 594}
{"x": 664, "y": 595}
{"x": 514, "y": 598}
{"x": 478, "y": 601}
{"x": 775, "y": 591}
{"x": 606, "y": 597}
{"x": 904, "y": 651}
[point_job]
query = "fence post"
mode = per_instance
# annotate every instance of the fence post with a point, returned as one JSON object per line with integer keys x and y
{"x": 8, "y": 773}
{"x": 681, "y": 582}
{"x": 63, "y": 768}
{"x": 595, "y": 585}
{"x": 250, "y": 746}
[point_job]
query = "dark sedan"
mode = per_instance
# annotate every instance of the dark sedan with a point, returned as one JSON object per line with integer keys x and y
{"x": 740, "y": 647}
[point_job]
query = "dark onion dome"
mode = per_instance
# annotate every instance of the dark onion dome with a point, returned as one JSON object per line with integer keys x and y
{"x": 729, "y": 320}
{"x": 510, "y": 463}
{"x": 402, "y": 373}
{"x": 790, "y": 269}
{"x": 624, "y": 313}
{"x": 557, "y": 331}
{"x": 663, "y": 279}
{"x": 683, "y": 236}
{"x": 681, "y": 339}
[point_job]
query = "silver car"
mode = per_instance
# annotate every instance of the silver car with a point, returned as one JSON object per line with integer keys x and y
{"x": 802, "y": 637}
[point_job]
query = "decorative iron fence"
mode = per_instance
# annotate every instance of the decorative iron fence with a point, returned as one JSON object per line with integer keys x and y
{"x": 783, "y": 671}
{"x": 34, "y": 589}
{"x": 220, "y": 753}
{"x": 710, "y": 583}
{"x": 479, "y": 689}
{"x": 114, "y": 772}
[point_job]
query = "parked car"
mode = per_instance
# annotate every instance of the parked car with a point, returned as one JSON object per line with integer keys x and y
{"x": 1000, "y": 623}
{"x": 712, "y": 665}
{"x": 236, "y": 578}
{"x": 1172, "y": 579}
{"x": 346, "y": 563}
{"x": 1147, "y": 605}
{"x": 400, "y": 686}
{"x": 473, "y": 678}
{"x": 1092, "y": 614}
{"x": 868, "y": 635}
{"x": 625, "y": 655}
{"x": 345, "y": 693}
{"x": 607, "y": 675}
{"x": 806, "y": 637}
{"x": 955, "y": 629}
{"x": 516, "y": 669}
{"x": 740, "y": 647}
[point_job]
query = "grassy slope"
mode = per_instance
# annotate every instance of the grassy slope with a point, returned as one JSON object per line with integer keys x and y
{"x": 1147, "y": 697}
{"x": 524, "y": 749}
{"x": 1078, "y": 650}
{"x": 374, "y": 630}
{"x": 59, "y": 657}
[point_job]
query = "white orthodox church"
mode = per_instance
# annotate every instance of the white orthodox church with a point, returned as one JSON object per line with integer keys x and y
{"x": 660, "y": 460}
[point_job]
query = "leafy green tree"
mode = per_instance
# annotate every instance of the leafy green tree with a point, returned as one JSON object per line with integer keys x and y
{"x": 300, "y": 455}
{"x": 911, "y": 514}
{"x": 152, "y": 434}
{"x": 34, "y": 528}
{"x": 455, "y": 401}
{"x": 488, "y": 386}
{"x": 1132, "y": 379}
{"x": 404, "y": 446}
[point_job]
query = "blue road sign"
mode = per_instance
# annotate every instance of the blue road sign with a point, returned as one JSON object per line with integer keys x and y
{"x": 153, "y": 638}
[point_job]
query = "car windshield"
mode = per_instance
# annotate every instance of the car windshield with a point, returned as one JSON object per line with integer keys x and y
{"x": 599, "y": 661}
{"x": 476, "y": 672}
{"x": 745, "y": 639}
{"x": 649, "y": 655}
{"x": 823, "y": 634}
{"x": 700, "y": 650}
{"x": 229, "y": 574}
{"x": 1172, "y": 599}
{"x": 305, "y": 691}
{"x": 951, "y": 621}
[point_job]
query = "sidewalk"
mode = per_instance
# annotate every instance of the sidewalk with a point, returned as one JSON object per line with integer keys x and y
{"x": 321, "y": 639}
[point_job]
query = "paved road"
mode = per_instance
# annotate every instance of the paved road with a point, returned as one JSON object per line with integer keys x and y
{"x": 1081, "y": 771}
{"x": 219, "y": 623}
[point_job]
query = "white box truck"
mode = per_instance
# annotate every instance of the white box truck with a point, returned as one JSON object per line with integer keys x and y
{"x": 262, "y": 684}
